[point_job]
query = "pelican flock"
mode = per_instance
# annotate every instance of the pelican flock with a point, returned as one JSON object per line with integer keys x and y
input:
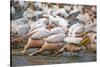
{"x": 50, "y": 26}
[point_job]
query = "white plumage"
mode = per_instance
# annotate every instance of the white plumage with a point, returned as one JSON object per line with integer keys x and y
{"x": 54, "y": 17}
{"x": 38, "y": 5}
{"x": 56, "y": 38}
{"x": 57, "y": 30}
{"x": 75, "y": 28}
{"x": 63, "y": 23}
{"x": 40, "y": 33}
{"x": 72, "y": 40}
{"x": 28, "y": 13}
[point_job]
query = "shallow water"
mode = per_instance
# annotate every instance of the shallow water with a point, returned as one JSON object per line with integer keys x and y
{"x": 24, "y": 60}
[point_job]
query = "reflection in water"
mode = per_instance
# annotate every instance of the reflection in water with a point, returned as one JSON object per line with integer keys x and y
{"x": 66, "y": 57}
